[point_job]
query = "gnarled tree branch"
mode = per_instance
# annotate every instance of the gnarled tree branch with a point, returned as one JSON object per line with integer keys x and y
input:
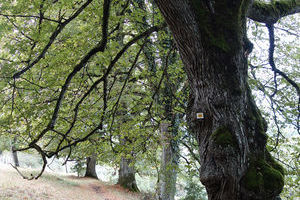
{"x": 270, "y": 13}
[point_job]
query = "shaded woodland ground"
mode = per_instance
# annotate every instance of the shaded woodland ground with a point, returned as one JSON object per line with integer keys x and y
{"x": 58, "y": 187}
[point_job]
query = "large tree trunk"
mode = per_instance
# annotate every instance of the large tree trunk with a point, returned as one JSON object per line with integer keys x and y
{"x": 211, "y": 38}
{"x": 91, "y": 167}
{"x": 127, "y": 175}
{"x": 168, "y": 170}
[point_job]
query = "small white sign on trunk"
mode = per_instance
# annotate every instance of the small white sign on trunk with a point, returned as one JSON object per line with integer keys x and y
{"x": 200, "y": 116}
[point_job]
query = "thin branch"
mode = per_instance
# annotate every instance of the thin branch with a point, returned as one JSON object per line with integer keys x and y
{"x": 277, "y": 71}
{"x": 69, "y": 155}
{"x": 95, "y": 130}
{"x": 30, "y": 16}
{"x": 22, "y": 33}
{"x": 286, "y": 30}
{"x": 58, "y": 30}
{"x": 158, "y": 86}
{"x": 191, "y": 152}
{"x": 115, "y": 107}
{"x": 8, "y": 60}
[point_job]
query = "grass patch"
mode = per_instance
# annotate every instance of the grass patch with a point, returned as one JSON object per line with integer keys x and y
{"x": 59, "y": 180}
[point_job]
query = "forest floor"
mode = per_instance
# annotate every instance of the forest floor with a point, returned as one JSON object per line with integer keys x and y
{"x": 58, "y": 187}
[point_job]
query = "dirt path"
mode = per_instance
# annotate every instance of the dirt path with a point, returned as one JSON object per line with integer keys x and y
{"x": 55, "y": 187}
{"x": 100, "y": 190}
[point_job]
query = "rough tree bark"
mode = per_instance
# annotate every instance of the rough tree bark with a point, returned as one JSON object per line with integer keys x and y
{"x": 211, "y": 38}
{"x": 91, "y": 167}
{"x": 127, "y": 175}
{"x": 168, "y": 170}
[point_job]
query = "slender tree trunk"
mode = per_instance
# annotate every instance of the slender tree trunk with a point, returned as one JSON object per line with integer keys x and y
{"x": 127, "y": 175}
{"x": 14, "y": 153}
{"x": 168, "y": 171}
{"x": 91, "y": 167}
{"x": 66, "y": 167}
{"x": 211, "y": 38}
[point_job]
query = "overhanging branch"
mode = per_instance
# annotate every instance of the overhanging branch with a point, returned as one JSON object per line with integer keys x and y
{"x": 270, "y": 13}
{"x": 100, "y": 47}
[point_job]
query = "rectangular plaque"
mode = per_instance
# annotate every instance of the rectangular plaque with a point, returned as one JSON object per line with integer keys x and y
{"x": 200, "y": 116}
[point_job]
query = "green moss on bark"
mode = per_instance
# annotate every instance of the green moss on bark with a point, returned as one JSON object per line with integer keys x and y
{"x": 254, "y": 179}
{"x": 255, "y": 116}
{"x": 273, "y": 11}
{"x": 223, "y": 137}
{"x": 219, "y": 42}
{"x": 260, "y": 124}
{"x": 274, "y": 163}
{"x": 281, "y": 7}
{"x": 220, "y": 27}
{"x": 264, "y": 177}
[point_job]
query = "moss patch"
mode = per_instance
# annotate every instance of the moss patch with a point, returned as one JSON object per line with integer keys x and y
{"x": 274, "y": 163}
{"x": 223, "y": 136}
{"x": 254, "y": 179}
{"x": 260, "y": 124}
{"x": 275, "y": 9}
{"x": 263, "y": 177}
{"x": 255, "y": 115}
{"x": 221, "y": 27}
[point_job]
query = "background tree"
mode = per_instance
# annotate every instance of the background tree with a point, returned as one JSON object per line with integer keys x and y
{"x": 15, "y": 153}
